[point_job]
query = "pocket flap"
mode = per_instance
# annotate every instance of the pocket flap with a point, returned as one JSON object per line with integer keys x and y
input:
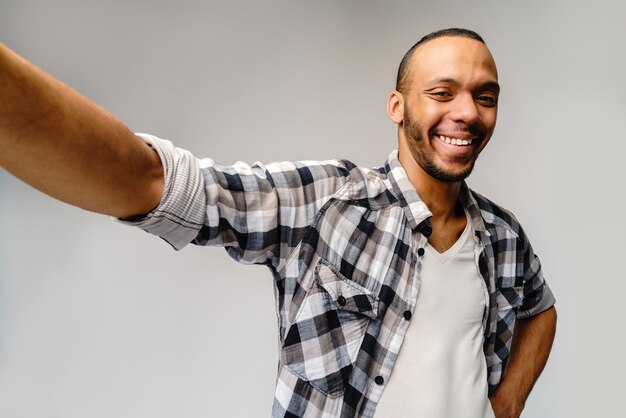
{"x": 346, "y": 294}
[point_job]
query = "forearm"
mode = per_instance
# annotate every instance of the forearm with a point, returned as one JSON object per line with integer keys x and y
{"x": 532, "y": 342}
{"x": 63, "y": 144}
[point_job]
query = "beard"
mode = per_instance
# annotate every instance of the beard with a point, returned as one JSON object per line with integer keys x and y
{"x": 425, "y": 158}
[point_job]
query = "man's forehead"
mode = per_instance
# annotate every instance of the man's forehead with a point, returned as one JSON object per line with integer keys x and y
{"x": 449, "y": 55}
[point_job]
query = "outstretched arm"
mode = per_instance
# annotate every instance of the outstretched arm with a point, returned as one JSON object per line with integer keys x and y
{"x": 68, "y": 147}
{"x": 532, "y": 341}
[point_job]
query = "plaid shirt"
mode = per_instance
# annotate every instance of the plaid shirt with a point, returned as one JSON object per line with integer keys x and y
{"x": 343, "y": 244}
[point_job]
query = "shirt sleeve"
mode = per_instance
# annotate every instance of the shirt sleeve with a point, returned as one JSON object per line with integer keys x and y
{"x": 258, "y": 212}
{"x": 537, "y": 296}
{"x": 180, "y": 214}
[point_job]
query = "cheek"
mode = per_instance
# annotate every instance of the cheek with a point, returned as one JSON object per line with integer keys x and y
{"x": 489, "y": 119}
{"x": 431, "y": 117}
{"x": 427, "y": 114}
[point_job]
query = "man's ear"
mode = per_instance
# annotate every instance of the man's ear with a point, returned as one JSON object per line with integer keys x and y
{"x": 395, "y": 107}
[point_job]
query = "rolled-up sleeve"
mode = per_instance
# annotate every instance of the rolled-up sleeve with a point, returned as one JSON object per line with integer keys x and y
{"x": 180, "y": 214}
{"x": 256, "y": 211}
{"x": 537, "y": 294}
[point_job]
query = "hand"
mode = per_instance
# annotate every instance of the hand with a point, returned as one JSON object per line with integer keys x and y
{"x": 532, "y": 340}
{"x": 506, "y": 405}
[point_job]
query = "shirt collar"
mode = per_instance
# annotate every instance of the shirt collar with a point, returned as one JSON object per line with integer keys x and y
{"x": 416, "y": 211}
{"x": 468, "y": 201}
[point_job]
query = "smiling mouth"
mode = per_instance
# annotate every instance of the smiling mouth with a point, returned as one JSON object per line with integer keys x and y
{"x": 455, "y": 141}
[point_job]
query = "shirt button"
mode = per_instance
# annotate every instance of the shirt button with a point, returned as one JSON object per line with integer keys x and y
{"x": 407, "y": 315}
{"x": 341, "y": 300}
{"x": 420, "y": 252}
{"x": 379, "y": 380}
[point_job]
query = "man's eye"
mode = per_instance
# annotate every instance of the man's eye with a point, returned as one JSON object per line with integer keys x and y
{"x": 488, "y": 100}
{"x": 441, "y": 94}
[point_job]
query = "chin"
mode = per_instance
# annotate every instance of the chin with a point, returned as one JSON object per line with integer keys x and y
{"x": 447, "y": 176}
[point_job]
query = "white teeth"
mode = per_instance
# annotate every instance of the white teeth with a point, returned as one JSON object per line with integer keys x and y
{"x": 455, "y": 141}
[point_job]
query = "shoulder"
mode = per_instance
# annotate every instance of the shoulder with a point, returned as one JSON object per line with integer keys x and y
{"x": 367, "y": 186}
{"x": 356, "y": 184}
{"x": 496, "y": 217}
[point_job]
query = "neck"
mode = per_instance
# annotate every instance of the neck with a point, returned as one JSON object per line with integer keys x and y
{"x": 440, "y": 197}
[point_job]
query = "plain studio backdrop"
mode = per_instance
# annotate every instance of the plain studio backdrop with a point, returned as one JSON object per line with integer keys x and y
{"x": 102, "y": 320}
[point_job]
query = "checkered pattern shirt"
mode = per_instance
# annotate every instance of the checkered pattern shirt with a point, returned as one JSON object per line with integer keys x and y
{"x": 343, "y": 244}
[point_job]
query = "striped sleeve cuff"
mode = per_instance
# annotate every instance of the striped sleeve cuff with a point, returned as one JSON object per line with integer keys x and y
{"x": 180, "y": 214}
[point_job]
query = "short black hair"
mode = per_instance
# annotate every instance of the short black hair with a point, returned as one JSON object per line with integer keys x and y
{"x": 402, "y": 78}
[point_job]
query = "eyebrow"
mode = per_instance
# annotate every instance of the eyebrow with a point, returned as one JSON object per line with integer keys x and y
{"x": 492, "y": 85}
{"x": 442, "y": 80}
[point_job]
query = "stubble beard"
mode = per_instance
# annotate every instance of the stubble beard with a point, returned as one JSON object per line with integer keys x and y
{"x": 424, "y": 159}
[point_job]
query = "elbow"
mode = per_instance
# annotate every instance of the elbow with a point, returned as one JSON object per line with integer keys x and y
{"x": 145, "y": 191}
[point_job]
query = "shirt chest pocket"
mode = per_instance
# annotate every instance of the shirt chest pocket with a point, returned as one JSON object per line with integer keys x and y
{"x": 322, "y": 344}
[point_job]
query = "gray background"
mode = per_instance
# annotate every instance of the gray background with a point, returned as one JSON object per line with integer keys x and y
{"x": 101, "y": 320}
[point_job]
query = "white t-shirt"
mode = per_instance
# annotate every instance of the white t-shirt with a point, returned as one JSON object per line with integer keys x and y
{"x": 440, "y": 371}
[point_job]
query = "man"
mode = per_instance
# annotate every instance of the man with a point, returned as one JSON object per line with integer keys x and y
{"x": 400, "y": 291}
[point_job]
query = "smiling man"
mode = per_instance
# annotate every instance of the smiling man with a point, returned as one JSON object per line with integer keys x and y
{"x": 400, "y": 292}
{"x": 447, "y": 89}
{"x": 445, "y": 105}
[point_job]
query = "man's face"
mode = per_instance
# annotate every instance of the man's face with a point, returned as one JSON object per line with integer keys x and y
{"x": 450, "y": 106}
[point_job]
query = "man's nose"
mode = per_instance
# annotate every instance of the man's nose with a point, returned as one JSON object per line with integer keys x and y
{"x": 465, "y": 109}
